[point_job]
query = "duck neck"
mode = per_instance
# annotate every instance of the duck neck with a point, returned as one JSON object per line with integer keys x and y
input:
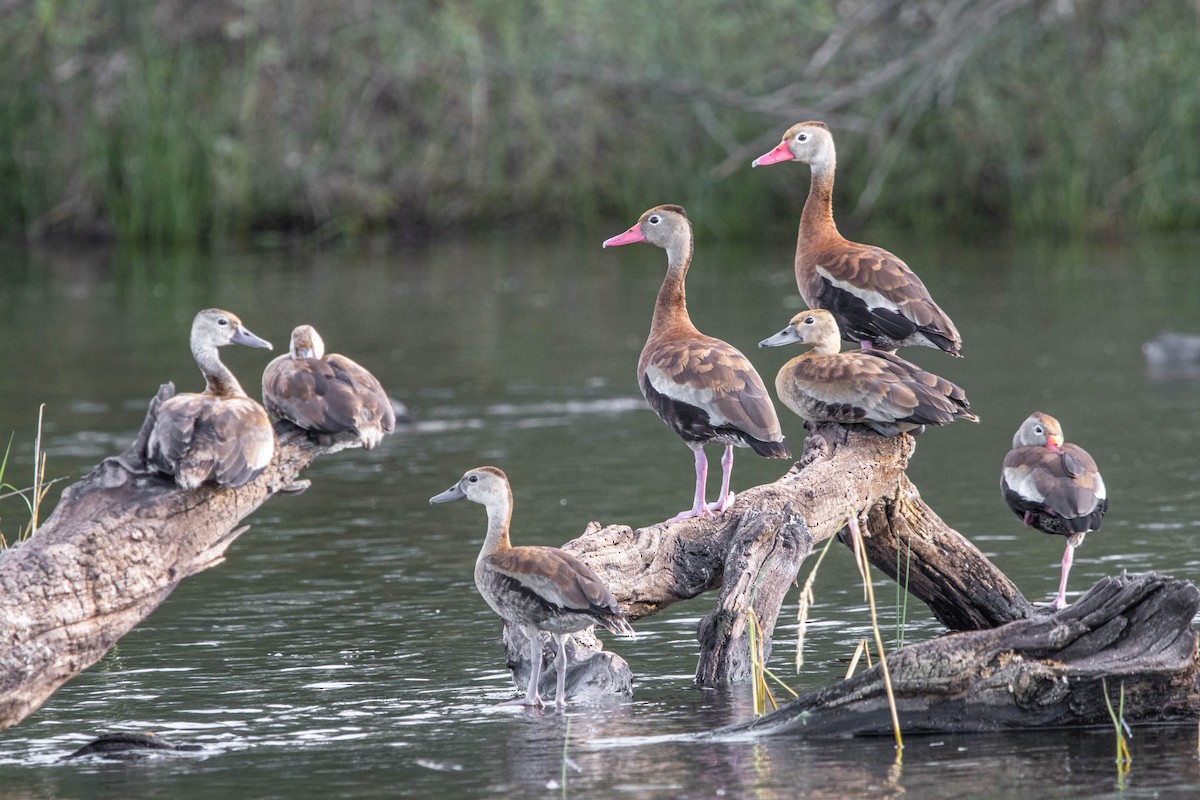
{"x": 828, "y": 347}
{"x": 671, "y": 306}
{"x": 817, "y": 217}
{"x": 218, "y": 379}
{"x": 499, "y": 516}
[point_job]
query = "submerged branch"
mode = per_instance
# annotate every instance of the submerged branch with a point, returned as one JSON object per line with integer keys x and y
{"x": 764, "y": 538}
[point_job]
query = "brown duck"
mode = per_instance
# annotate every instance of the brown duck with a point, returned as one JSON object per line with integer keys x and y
{"x": 535, "y": 588}
{"x": 703, "y": 388}
{"x": 326, "y": 394}
{"x": 1053, "y": 486}
{"x": 219, "y": 434}
{"x": 873, "y": 387}
{"x": 877, "y": 300}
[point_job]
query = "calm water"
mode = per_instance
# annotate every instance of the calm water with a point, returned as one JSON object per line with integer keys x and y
{"x": 341, "y": 651}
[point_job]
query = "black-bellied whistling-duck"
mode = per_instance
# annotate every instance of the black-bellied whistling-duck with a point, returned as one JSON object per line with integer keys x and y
{"x": 219, "y": 434}
{"x": 1053, "y": 486}
{"x": 536, "y": 588}
{"x": 702, "y": 387}
{"x": 877, "y": 300}
{"x": 874, "y": 387}
{"x": 326, "y": 394}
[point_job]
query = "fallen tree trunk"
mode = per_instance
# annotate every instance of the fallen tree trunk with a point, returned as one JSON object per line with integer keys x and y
{"x": 1130, "y": 632}
{"x": 119, "y": 541}
{"x": 753, "y": 552}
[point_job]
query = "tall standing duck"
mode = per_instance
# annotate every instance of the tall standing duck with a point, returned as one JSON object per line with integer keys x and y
{"x": 1053, "y": 486}
{"x": 535, "y": 588}
{"x": 872, "y": 387}
{"x": 703, "y": 388}
{"x": 326, "y": 394}
{"x": 877, "y": 300}
{"x": 219, "y": 434}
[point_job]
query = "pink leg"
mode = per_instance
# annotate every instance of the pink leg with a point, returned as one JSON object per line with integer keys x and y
{"x": 698, "y": 509}
{"x": 726, "y": 499}
{"x": 1068, "y": 557}
{"x": 531, "y": 698}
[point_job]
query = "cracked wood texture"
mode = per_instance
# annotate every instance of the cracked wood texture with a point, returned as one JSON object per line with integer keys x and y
{"x": 119, "y": 541}
{"x": 751, "y": 555}
{"x": 1046, "y": 671}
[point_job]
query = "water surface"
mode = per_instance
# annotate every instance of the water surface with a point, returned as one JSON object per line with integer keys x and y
{"x": 341, "y": 650}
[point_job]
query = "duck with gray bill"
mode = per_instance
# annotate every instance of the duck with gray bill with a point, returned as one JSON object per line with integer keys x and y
{"x": 538, "y": 589}
{"x": 873, "y": 387}
{"x": 219, "y": 434}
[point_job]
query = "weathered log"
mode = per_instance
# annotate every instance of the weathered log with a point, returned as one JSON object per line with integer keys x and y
{"x": 1052, "y": 670}
{"x": 755, "y": 549}
{"x": 119, "y": 541}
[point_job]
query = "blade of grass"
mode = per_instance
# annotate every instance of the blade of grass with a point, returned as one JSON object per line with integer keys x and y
{"x": 864, "y": 569}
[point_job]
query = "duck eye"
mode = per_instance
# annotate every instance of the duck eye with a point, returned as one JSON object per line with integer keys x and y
{"x": 810, "y": 320}
{"x": 222, "y": 321}
{"x": 1038, "y": 429}
{"x": 801, "y": 137}
{"x": 473, "y": 479}
{"x": 655, "y": 219}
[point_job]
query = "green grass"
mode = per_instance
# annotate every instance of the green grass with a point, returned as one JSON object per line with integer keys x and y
{"x": 175, "y": 129}
{"x": 32, "y": 496}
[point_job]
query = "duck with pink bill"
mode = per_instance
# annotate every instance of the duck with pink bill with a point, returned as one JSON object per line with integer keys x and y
{"x": 1053, "y": 486}
{"x": 704, "y": 389}
{"x": 878, "y": 301}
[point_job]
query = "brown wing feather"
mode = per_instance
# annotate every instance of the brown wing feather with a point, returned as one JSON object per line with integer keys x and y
{"x": 557, "y": 576}
{"x": 1067, "y": 494}
{"x": 873, "y": 269}
{"x": 714, "y": 375}
{"x": 861, "y": 386}
{"x": 328, "y": 395}
{"x": 198, "y": 438}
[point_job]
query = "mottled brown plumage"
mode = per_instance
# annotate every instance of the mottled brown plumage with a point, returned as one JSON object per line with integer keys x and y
{"x": 703, "y": 388}
{"x": 872, "y": 387}
{"x": 326, "y": 394}
{"x": 877, "y": 300}
{"x": 536, "y": 588}
{"x": 219, "y": 434}
{"x": 1054, "y": 486}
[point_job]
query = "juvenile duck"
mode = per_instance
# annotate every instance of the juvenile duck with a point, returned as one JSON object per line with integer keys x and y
{"x": 535, "y": 588}
{"x": 1054, "y": 486}
{"x": 326, "y": 394}
{"x": 703, "y": 388}
{"x": 219, "y": 434}
{"x": 874, "y": 387}
{"x": 878, "y": 301}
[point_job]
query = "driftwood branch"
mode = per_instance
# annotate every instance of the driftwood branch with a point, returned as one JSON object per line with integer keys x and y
{"x": 752, "y": 553}
{"x": 1131, "y": 632}
{"x": 119, "y": 541}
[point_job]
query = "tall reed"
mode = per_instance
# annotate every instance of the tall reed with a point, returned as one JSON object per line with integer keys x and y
{"x": 170, "y": 127}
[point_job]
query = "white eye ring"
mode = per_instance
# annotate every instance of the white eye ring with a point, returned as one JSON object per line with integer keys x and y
{"x": 655, "y": 220}
{"x": 473, "y": 479}
{"x": 801, "y": 137}
{"x": 222, "y": 321}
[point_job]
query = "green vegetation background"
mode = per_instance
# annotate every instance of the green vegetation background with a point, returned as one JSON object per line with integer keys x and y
{"x": 186, "y": 122}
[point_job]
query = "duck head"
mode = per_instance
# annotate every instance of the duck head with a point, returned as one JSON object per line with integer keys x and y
{"x": 815, "y": 326}
{"x": 809, "y": 142}
{"x": 1039, "y": 430}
